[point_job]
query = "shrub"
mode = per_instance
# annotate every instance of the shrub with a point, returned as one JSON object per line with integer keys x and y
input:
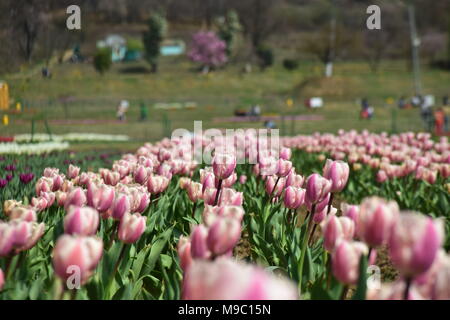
{"x": 290, "y": 64}
{"x": 152, "y": 38}
{"x": 265, "y": 56}
{"x": 208, "y": 49}
{"x": 102, "y": 60}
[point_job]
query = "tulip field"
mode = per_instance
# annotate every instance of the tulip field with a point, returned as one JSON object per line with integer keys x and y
{"x": 352, "y": 215}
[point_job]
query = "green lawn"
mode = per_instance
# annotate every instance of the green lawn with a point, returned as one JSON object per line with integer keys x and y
{"x": 217, "y": 94}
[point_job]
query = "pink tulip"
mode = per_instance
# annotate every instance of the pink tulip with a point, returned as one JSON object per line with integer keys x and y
{"x": 317, "y": 188}
{"x": 76, "y": 197}
{"x": 223, "y": 235}
{"x": 336, "y": 228}
{"x": 226, "y": 279}
{"x": 284, "y": 167}
{"x": 243, "y": 179}
{"x": 57, "y": 182}
{"x": 230, "y": 197}
{"x": 285, "y": 153}
{"x": 337, "y": 172}
{"x": 223, "y": 165}
{"x": 294, "y": 180}
{"x": 27, "y": 234}
{"x": 73, "y": 172}
{"x": 273, "y": 188}
{"x": 100, "y": 197}
{"x": 394, "y": 291}
{"x": 2, "y": 279}
{"x": 131, "y": 227}
{"x": 157, "y": 184}
{"x": 376, "y": 220}
{"x": 194, "y": 191}
{"x": 81, "y": 220}
{"x": 111, "y": 178}
{"x": 351, "y": 211}
{"x": 23, "y": 213}
{"x": 121, "y": 206}
{"x": 414, "y": 243}
{"x": 199, "y": 247}
{"x": 184, "y": 252}
{"x": 141, "y": 174}
{"x": 76, "y": 251}
{"x": 61, "y": 198}
{"x": 294, "y": 197}
{"x": 345, "y": 261}
{"x": 381, "y": 176}
{"x": 139, "y": 200}
{"x": 7, "y": 238}
{"x": 209, "y": 196}
{"x": 228, "y": 182}
{"x": 44, "y": 184}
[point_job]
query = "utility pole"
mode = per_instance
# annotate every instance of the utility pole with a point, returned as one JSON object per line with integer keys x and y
{"x": 329, "y": 65}
{"x": 415, "y": 44}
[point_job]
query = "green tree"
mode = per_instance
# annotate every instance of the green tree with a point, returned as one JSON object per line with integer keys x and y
{"x": 102, "y": 60}
{"x": 229, "y": 28}
{"x": 152, "y": 38}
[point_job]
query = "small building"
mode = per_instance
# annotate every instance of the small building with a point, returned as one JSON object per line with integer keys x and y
{"x": 118, "y": 46}
{"x": 172, "y": 48}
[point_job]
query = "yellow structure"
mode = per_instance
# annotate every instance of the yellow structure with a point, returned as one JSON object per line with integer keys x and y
{"x": 4, "y": 96}
{"x": 289, "y": 103}
{"x": 18, "y": 107}
{"x": 5, "y": 119}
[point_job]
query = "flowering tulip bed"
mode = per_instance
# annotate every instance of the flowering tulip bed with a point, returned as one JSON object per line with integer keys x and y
{"x": 305, "y": 221}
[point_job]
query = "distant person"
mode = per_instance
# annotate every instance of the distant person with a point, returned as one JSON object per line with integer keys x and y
{"x": 366, "y": 110}
{"x": 122, "y": 110}
{"x": 46, "y": 73}
{"x": 402, "y": 103}
{"x": 255, "y": 111}
{"x": 439, "y": 121}
{"x": 269, "y": 124}
{"x": 143, "y": 112}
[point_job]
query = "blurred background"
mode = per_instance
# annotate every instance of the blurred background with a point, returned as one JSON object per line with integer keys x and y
{"x": 143, "y": 68}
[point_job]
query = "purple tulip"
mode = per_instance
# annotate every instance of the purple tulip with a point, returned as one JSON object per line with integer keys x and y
{"x": 3, "y": 183}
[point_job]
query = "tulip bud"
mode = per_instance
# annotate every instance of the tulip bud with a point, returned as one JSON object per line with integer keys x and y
{"x": 226, "y": 279}
{"x": 351, "y": 211}
{"x": 209, "y": 196}
{"x": 414, "y": 243}
{"x": 317, "y": 188}
{"x": 81, "y": 220}
{"x": 230, "y": 197}
{"x": 285, "y": 153}
{"x": 243, "y": 179}
{"x": 284, "y": 167}
{"x": 223, "y": 235}
{"x": 223, "y": 165}
{"x": 337, "y": 172}
{"x": 120, "y": 206}
{"x": 294, "y": 180}
{"x": 76, "y": 197}
{"x": 157, "y": 184}
{"x": 9, "y": 205}
{"x": 139, "y": 200}
{"x": 7, "y": 238}
{"x": 294, "y": 197}
{"x": 23, "y": 213}
{"x": 381, "y": 176}
{"x": 184, "y": 252}
{"x": 194, "y": 191}
{"x": 336, "y": 228}
{"x": 345, "y": 261}
{"x": 131, "y": 227}
{"x": 100, "y": 198}
{"x": 60, "y": 197}
{"x": 76, "y": 251}
{"x": 199, "y": 247}
{"x": 141, "y": 174}
{"x": 376, "y": 219}
{"x": 27, "y": 234}
{"x": 273, "y": 188}
{"x": 73, "y": 172}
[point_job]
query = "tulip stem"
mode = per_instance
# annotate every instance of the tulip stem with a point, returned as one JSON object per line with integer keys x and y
{"x": 304, "y": 245}
{"x": 273, "y": 189}
{"x": 344, "y": 292}
{"x": 219, "y": 186}
{"x": 113, "y": 232}
{"x": 408, "y": 282}
{"x": 116, "y": 268}
{"x": 194, "y": 207}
